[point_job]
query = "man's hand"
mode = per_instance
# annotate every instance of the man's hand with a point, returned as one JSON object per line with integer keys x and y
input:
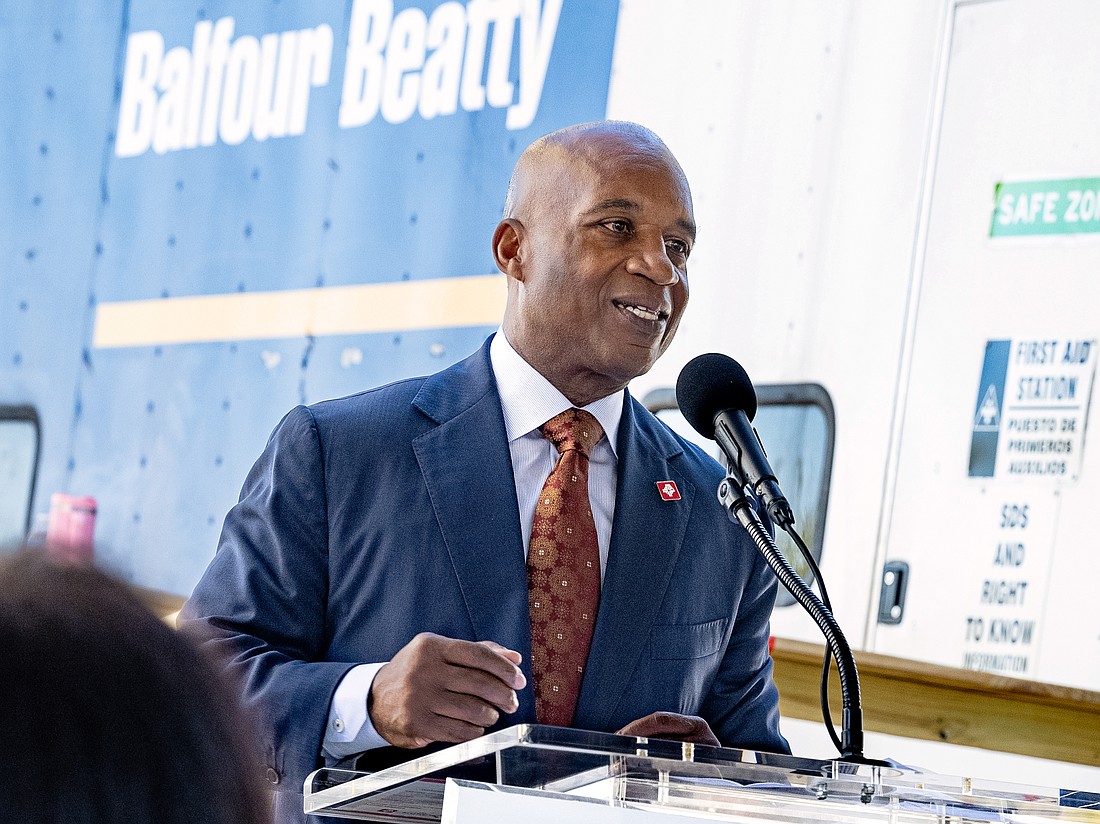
{"x": 674, "y": 726}
{"x": 443, "y": 689}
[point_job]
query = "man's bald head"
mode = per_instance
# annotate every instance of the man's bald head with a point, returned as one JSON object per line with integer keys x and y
{"x": 570, "y": 149}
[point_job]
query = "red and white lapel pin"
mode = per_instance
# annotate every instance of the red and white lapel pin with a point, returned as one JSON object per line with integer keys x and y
{"x": 668, "y": 490}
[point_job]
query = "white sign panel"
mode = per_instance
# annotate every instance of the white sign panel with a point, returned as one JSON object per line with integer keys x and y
{"x": 1007, "y": 587}
{"x": 1033, "y": 399}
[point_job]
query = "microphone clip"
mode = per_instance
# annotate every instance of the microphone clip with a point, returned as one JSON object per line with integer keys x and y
{"x": 733, "y": 496}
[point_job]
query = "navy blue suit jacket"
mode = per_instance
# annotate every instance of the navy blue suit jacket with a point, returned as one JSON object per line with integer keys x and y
{"x": 374, "y": 517}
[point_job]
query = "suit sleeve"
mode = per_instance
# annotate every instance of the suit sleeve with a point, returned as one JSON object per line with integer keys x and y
{"x": 742, "y": 705}
{"x": 260, "y": 607}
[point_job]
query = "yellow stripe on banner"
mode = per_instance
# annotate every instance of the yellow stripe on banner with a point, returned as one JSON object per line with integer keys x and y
{"x": 401, "y": 306}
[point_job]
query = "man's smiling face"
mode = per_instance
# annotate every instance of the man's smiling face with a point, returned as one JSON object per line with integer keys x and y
{"x": 606, "y": 228}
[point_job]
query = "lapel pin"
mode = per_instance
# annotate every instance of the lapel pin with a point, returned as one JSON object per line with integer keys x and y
{"x": 668, "y": 490}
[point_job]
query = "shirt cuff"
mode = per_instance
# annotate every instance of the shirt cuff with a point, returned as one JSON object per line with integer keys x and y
{"x": 349, "y": 729}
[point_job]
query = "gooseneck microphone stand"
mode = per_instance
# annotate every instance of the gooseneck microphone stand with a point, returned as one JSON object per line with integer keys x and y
{"x": 740, "y": 509}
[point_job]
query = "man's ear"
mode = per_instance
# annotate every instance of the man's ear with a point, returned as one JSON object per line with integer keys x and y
{"x": 508, "y": 241}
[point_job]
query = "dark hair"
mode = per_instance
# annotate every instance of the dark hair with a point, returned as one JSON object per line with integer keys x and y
{"x": 106, "y": 713}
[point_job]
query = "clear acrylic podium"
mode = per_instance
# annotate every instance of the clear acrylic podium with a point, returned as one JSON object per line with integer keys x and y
{"x": 551, "y": 775}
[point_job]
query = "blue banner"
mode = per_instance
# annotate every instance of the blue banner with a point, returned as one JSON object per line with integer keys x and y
{"x": 217, "y": 210}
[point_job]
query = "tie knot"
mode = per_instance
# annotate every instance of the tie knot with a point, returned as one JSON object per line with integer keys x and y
{"x": 573, "y": 429}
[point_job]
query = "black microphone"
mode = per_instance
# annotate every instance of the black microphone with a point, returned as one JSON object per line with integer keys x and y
{"x": 716, "y": 396}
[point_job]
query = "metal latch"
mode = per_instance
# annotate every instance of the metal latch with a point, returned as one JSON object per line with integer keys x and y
{"x": 891, "y": 600}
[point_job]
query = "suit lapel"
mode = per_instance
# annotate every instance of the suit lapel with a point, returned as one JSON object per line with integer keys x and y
{"x": 468, "y": 472}
{"x": 645, "y": 542}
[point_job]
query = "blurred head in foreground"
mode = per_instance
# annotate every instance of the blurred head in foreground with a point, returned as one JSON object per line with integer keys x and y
{"x": 107, "y": 714}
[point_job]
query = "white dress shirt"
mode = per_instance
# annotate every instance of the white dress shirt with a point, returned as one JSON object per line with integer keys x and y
{"x": 528, "y": 400}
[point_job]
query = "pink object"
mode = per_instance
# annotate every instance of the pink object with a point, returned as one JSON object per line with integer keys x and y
{"x": 71, "y": 533}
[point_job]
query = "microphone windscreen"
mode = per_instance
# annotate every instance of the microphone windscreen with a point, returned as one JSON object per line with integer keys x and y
{"x": 709, "y": 384}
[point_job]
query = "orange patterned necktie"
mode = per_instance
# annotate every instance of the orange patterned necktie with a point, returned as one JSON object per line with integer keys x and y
{"x": 563, "y": 570}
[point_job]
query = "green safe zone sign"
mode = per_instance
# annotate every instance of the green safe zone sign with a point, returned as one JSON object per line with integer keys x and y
{"x": 1046, "y": 207}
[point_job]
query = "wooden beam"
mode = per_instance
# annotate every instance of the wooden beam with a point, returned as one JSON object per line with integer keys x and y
{"x": 918, "y": 700}
{"x": 162, "y": 604}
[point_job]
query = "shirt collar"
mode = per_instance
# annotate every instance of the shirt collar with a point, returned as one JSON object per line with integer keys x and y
{"x": 529, "y": 400}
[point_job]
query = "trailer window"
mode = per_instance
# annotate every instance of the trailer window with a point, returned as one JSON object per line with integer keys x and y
{"x": 19, "y": 440}
{"x": 796, "y": 426}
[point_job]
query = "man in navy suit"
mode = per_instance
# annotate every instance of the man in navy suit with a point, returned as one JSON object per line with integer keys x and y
{"x": 370, "y": 587}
